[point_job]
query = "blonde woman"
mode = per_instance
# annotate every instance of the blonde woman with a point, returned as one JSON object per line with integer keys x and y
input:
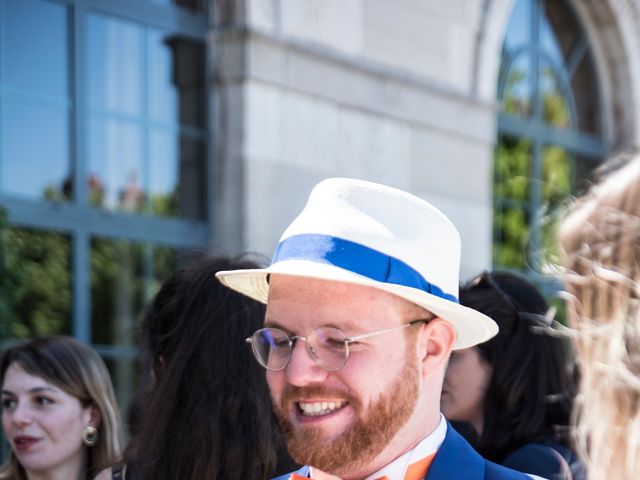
{"x": 601, "y": 241}
{"x": 58, "y": 411}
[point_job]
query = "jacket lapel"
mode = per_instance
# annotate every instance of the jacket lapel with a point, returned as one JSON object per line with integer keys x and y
{"x": 456, "y": 460}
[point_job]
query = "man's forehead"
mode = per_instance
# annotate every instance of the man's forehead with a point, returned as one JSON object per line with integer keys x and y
{"x": 282, "y": 287}
{"x": 289, "y": 288}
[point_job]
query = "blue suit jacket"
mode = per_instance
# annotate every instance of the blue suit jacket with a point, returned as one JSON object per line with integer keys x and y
{"x": 455, "y": 460}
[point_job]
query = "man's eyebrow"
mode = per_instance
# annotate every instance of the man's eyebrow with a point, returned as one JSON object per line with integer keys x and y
{"x": 271, "y": 323}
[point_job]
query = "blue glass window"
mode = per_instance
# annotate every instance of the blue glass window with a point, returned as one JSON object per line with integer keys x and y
{"x": 147, "y": 113}
{"x": 35, "y": 160}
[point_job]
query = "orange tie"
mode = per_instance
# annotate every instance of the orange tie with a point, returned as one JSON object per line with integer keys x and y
{"x": 418, "y": 470}
{"x": 415, "y": 471}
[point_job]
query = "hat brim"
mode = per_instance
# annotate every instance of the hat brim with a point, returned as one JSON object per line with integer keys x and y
{"x": 472, "y": 327}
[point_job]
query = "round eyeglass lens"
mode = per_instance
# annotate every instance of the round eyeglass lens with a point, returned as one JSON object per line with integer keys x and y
{"x": 328, "y": 346}
{"x": 272, "y": 348}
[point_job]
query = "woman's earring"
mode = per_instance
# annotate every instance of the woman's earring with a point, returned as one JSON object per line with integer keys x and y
{"x": 90, "y": 436}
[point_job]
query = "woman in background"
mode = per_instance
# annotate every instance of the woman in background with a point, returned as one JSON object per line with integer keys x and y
{"x": 208, "y": 412}
{"x": 601, "y": 240}
{"x": 516, "y": 390}
{"x": 59, "y": 412}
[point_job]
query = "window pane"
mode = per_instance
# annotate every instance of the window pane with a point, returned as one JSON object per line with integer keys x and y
{"x": 585, "y": 91}
{"x": 555, "y": 105}
{"x": 124, "y": 375}
{"x": 35, "y": 298}
{"x": 512, "y": 167}
{"x": 549, "y": 42}
{"x": 163, "y": 104}
{"x": 519, "y": 28}
{"x": 115, "y": 65}
{"x": 176, "y": 174}
{"x": 117, "y": 290}
{"x": 124, "y": 278}
{"x": 560, "y": 30}
{"x": 517, "y": 96}
{"x": 116, "y": 174}
{"x": 557, "y": 186}
{"x": 36, "y": 47}
{"x": 557, "y": 168}
{"x": 163, "y": 172}
{"x": 33, "y": 168}
{"x": 510, "y": 237}
{"x": 176, "y": 79}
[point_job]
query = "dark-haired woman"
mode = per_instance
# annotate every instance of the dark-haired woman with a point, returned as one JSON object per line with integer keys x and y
{"x": 208, "y": 413}
{"x": 517, "y": 389}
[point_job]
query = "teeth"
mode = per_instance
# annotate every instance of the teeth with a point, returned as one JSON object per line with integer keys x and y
{"x": 316, "y": 409}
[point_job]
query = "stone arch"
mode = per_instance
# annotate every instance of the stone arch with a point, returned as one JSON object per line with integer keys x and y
{"x": 613, "y": 27}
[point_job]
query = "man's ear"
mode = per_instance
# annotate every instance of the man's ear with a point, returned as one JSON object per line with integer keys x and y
{"x": 435, "y": 343}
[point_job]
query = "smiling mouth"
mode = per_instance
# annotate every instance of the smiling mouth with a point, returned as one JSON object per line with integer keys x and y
{"x": 317, "y": 409}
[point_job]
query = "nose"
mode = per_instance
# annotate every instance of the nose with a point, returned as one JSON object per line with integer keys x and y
{"x": 21, "y": 415}
{"x": 302, "y": 369}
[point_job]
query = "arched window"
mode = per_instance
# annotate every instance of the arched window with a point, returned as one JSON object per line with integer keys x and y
{"x": 550, "y": 129}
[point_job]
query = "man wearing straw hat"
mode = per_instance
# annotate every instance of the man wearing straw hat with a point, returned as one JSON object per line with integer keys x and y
{"x": 362, "y": 315}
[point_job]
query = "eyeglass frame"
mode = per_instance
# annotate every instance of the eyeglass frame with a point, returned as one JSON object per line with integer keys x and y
{"x": 347, "y": 341}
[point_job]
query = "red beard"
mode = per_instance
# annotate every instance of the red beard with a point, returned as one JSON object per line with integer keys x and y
{"x": 361, "y": 441}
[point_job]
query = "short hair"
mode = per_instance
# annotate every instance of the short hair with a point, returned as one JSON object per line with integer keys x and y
{"x": 531, "y": 388}
{"x": 77, "y": 369}
{"x": 601, "y": 246}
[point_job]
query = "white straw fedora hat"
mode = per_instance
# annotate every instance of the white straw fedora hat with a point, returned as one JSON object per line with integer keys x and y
{"x": 370, "y": 234}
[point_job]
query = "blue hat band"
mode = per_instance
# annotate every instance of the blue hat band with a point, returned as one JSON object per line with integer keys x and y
{"x": 356, "y": 258}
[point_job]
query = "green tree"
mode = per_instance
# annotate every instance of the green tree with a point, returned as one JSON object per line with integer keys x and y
{"x": 36, "y": 282}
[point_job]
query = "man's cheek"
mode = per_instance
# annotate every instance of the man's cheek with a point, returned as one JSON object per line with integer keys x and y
{"x": 275, "y": 386}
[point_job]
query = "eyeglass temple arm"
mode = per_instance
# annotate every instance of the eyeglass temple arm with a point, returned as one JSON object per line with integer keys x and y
{"x": 371, "y": 334}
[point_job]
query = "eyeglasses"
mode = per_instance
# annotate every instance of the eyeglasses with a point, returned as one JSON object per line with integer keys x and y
{"x": 327, "y": 346}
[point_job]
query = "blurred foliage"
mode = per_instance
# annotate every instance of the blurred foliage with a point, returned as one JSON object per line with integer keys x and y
{"x": 36, "y": 291}
{"x": 555, "y": 110}
{"x": 512, "y": 166}
{"x": 514, "y": 100}
{"x": 36, "y": 283}
{"x": 117, "y": 289}
{"x": 513, "y": 217}
{"x": 516, "y": 184}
